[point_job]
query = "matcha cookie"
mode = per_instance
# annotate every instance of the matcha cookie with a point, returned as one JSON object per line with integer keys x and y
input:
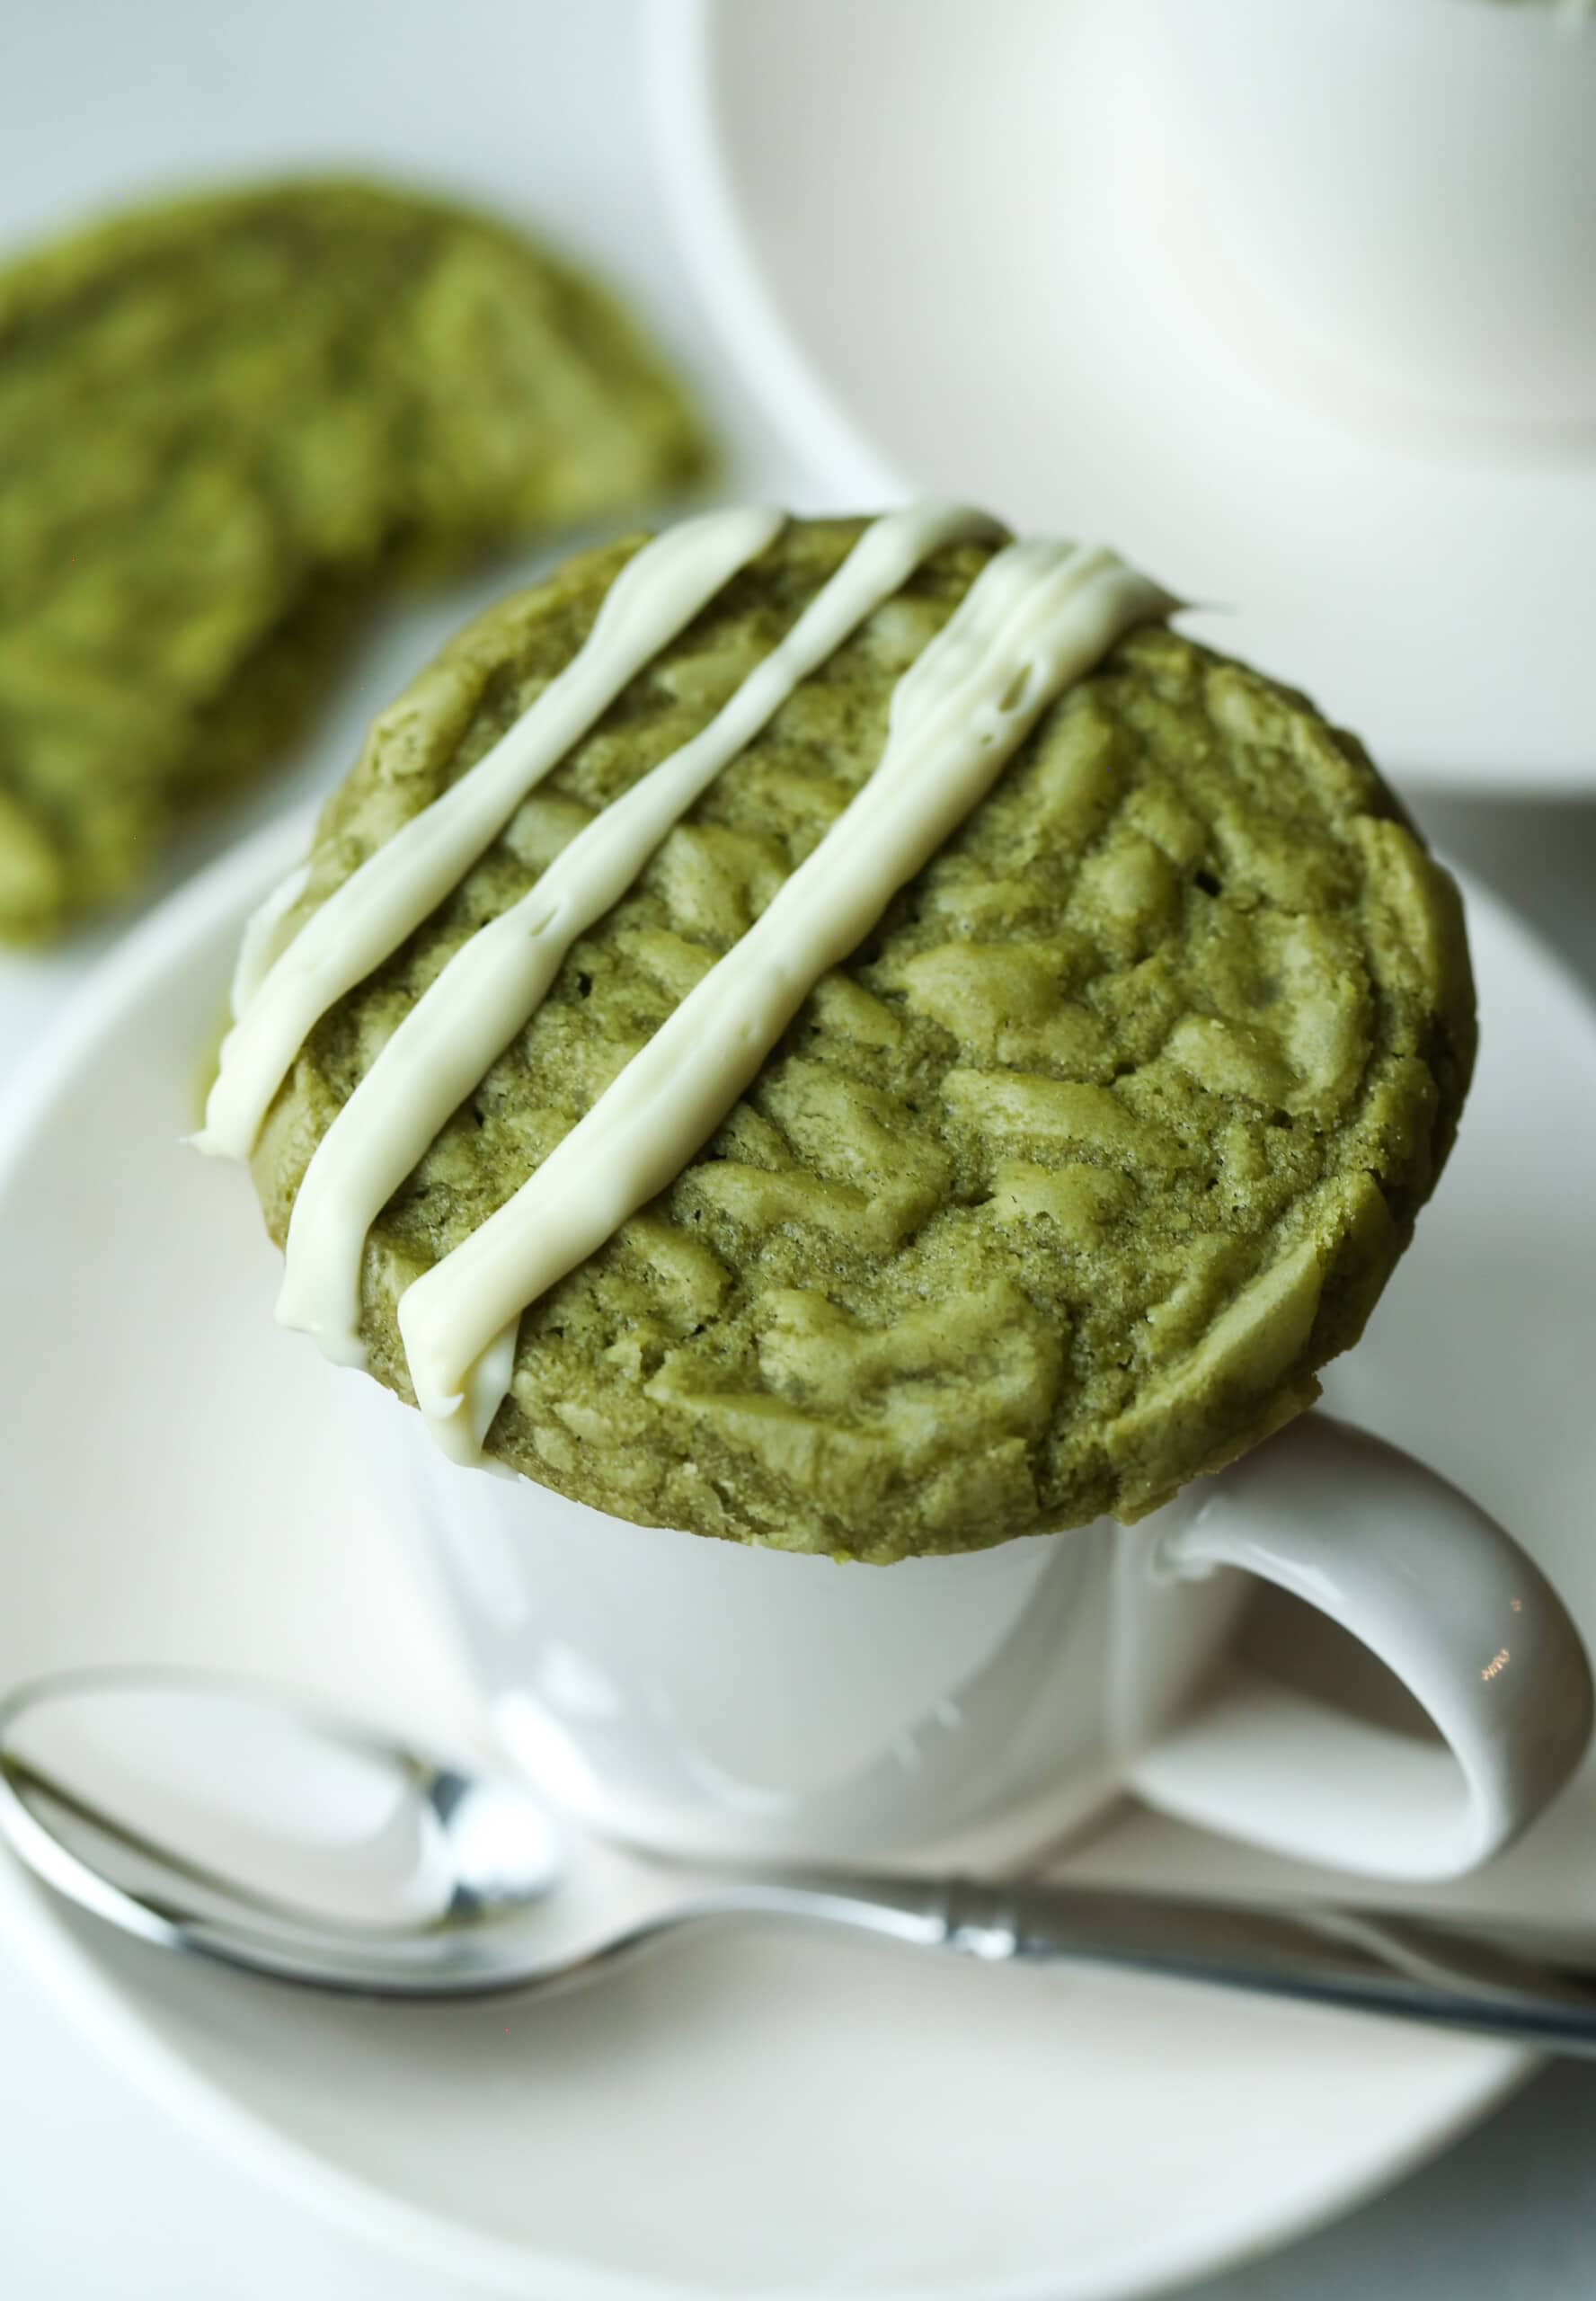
{"x": 1053, "y": 1193}
{"x": 222, "y": 423}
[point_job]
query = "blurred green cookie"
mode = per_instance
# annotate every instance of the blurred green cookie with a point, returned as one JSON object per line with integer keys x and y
{"x": 223, "y": 423}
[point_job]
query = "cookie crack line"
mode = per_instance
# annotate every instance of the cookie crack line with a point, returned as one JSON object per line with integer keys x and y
{"x": 1039, "y": 618}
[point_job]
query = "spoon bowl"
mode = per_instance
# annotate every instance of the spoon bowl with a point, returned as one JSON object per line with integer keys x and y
{"x": 249, "y": 1824}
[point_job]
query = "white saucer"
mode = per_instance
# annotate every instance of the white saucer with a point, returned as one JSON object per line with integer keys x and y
{"x": 928, "y": 230}
{"x": 764, "y": 2115}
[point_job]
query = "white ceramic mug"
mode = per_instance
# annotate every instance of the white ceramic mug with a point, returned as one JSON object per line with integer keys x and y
{"x": 705, "y": 1699}
{"x": 1391, "y": 202}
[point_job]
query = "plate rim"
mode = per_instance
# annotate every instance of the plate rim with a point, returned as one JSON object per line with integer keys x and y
{"x": 132, "y": 2040}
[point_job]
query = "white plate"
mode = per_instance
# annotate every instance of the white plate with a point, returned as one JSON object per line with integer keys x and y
{"x": 761, "y": 2115}
{"x": 926, "y": 229}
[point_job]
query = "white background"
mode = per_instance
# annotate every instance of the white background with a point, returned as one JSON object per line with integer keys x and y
{"x": 99, "y": 2198}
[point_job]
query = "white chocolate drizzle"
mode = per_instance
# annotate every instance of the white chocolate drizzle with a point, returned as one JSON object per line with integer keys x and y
{"x": 655, "y": 596}
{"x": 1039, "y": 618}
{"x": 265, "y": 938}
{"x": 495, "y": 982}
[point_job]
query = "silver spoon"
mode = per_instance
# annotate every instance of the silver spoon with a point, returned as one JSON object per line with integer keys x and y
{"x": 250, "y": 1826}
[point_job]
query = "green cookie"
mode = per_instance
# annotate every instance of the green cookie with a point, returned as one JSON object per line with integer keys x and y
{"x": 224, "y": 423}
{"x": 1056, "y": 1194}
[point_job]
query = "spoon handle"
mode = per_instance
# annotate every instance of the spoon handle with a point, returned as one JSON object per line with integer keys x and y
{"x": 1488, "y": 1980}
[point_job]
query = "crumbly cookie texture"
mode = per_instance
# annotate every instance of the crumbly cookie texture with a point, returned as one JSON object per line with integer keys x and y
{"x": 1055, "y": 1196}
{"x": 223, "y": 423}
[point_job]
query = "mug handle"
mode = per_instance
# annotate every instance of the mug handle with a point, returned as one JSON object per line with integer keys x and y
{"x": 1444, "y": 1597}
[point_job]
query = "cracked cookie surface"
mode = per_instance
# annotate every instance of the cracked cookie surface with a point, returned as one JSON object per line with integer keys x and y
{"x": 1055, "y": 1196}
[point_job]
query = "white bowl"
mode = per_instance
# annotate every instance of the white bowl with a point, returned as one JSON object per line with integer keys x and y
{"x": 1394, "y": 198}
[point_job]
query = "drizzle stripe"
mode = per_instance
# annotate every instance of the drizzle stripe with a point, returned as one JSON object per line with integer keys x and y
{"x": 655, "y": 595}
{"x": 265, "y": 938}
{"x": 1037, "y": 618}
{"x": 496, "y": 982}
